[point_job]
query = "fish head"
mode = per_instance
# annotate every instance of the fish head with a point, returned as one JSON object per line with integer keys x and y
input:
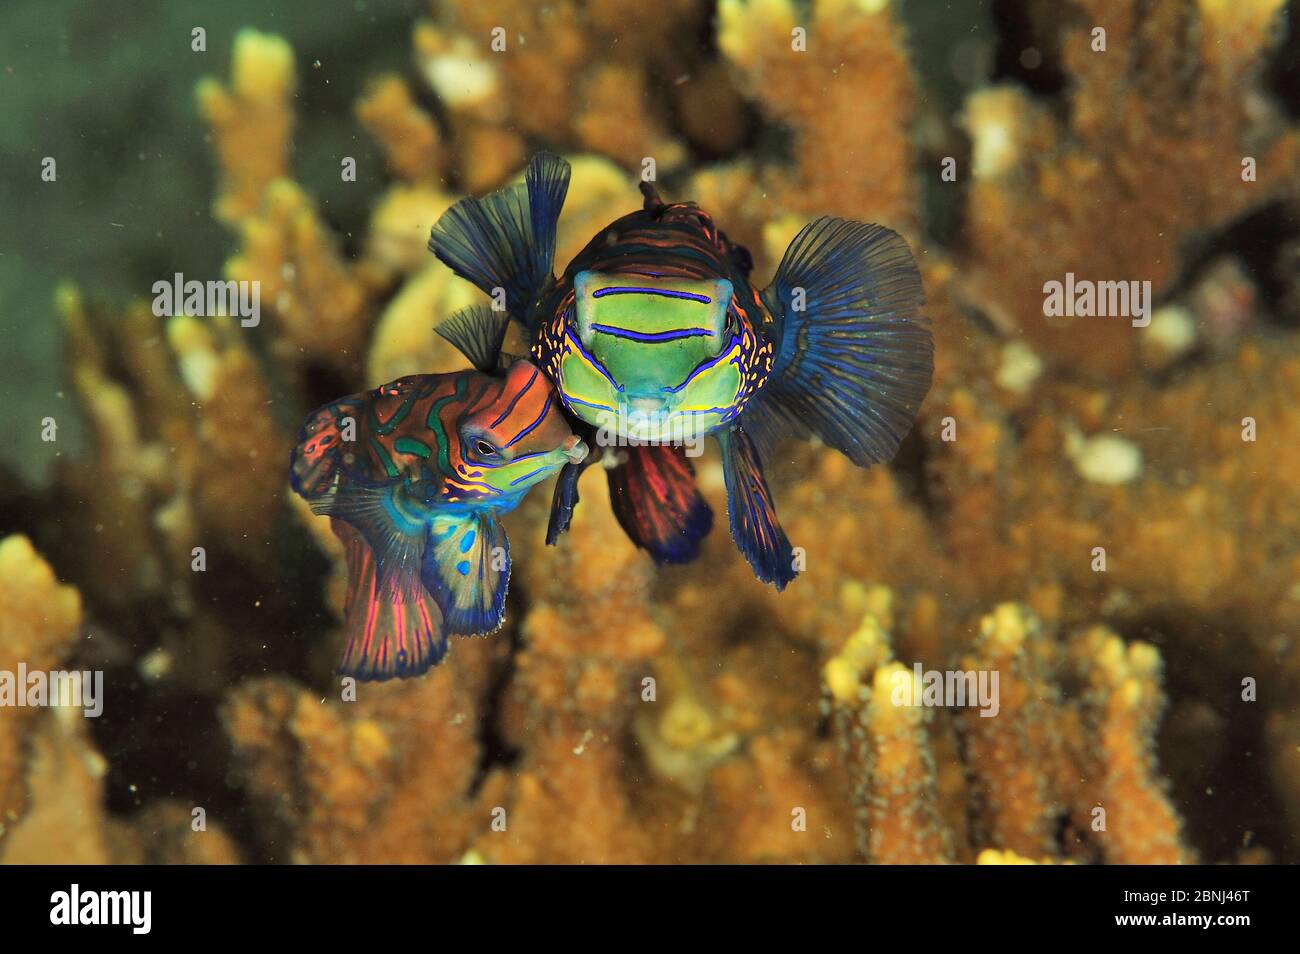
{"x": 519, "y": 437}
{"x": 652, "y": 358}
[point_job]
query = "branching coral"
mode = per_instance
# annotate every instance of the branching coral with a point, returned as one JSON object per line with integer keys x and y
{"x": 353, "y": 780}
{"x": 690, "y": 714}
{"x": 1125, "y": 703}
{"x": 1160, "y": 124}
{"x": 1020, "y": 753}
{"x": 570, "y": 704}
{"x": 406, "y": 132}
{"x": 51, "y": 774}
{"x": 67, "y": 821}
{"x": 1027, "y": 758}
{"x": 187, "y": 455}
{"x": 252, "y": 121}
{"x": 320, "y": 303}
{"x": 839, "y": 76}
{"x": 388, "y": 777}
{"x": 236, "y": 473}
{"x": 573, "y": 72}
{"x": 886, "y": 747}
{"x": 38, "y": 618}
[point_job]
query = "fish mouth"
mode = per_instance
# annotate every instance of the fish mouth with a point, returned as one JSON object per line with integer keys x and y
{"x": 646, "y": 403}
{"x": 575, "y": 450}
{"x": 650, "y": 406}
{"x": 644, "y": 414}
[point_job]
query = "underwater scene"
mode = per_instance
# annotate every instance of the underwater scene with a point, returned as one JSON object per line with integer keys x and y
{"x": 623, "y": 433}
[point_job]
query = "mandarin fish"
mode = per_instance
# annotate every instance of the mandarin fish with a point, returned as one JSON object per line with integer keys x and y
{"x": 655, "y": 337}
{"x": 415, "y": 476}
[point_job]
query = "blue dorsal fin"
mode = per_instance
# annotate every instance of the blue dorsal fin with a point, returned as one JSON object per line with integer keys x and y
{"x": 467, "y": 571}
{"x": 754, "y": 525}
{"x": 855, "y": 356}
{"x": 477, "y": 332}
{"x": 507, "y": 239}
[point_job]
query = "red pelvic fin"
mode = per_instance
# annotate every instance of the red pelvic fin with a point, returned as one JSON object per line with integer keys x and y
{"x": 654, "y": 497}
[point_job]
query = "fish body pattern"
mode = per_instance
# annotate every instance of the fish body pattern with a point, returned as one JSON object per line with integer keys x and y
{"x": 415, "y": 476}
{"x": 653, "y": 332}
{"x": 655, "y": 337}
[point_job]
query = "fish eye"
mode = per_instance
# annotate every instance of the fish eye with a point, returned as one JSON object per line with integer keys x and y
{"x": 483, "y": 448}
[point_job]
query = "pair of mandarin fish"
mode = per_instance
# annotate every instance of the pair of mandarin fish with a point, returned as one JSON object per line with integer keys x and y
{"x": 651, "y": 339}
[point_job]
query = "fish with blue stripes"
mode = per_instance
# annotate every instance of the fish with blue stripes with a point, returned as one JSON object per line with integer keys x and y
{"x": 415, "y": 476}
{"x": 655, "y": 337}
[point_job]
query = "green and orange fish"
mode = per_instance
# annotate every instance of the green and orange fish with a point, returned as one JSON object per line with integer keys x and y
{"x": 415, "y": 476}
{"x": 655, "y": 337}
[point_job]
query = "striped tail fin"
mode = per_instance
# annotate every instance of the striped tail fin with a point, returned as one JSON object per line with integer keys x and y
{"x": 394, "y": 626}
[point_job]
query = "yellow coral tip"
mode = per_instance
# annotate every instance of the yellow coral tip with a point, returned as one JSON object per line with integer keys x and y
{"x": 841, "y": 679}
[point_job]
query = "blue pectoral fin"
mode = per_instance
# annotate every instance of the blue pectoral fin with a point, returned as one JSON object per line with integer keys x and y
{"x": 507, "y": 239}
{"x": 856, "y": 356}
{"x": 754, "y": 525}
{"x": 565, "y": 500}
{"x": 467, "y": 572}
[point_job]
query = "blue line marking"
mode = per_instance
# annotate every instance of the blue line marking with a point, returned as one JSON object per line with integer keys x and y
{"x": 661, "y": 292}
{"x": 704, "y": 366}
{"x": 514, "y": 401}
{"x": 527, "y": 430}
{"x": 576, "y": 344}
{"x": 597, "y": 406}
{"x": 671, "y": 334}
{"x": 531, "y": 473}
